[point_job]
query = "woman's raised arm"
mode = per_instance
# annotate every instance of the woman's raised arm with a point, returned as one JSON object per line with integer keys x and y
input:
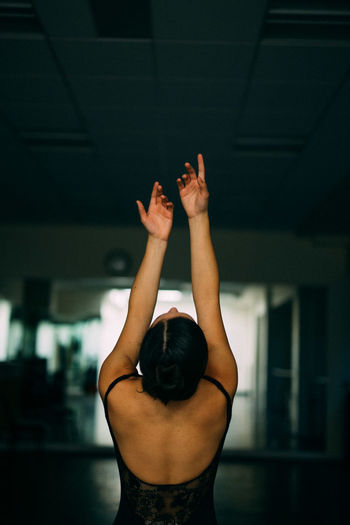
{"x": 205, "y": 276}
{"x": 125, "y": 355}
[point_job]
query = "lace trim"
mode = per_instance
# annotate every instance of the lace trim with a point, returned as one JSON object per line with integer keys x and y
{"x": 166, "y": 504}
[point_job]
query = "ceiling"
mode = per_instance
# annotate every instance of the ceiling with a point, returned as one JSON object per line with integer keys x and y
{"x": 100, "y": 98}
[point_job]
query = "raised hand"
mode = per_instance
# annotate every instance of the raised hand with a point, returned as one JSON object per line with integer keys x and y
{"x": 159, "y": 218}
{"x": 193, "y": 190}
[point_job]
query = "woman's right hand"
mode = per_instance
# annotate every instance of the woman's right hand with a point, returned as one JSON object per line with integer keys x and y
{"x": 193, "y": 190}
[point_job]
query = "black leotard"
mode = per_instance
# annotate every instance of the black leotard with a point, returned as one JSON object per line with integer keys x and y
{"x": 190, "y": 503}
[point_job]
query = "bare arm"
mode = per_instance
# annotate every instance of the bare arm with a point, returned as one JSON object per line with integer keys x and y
{"x": 205, "y": 276}
{"x": 125, "y": 355}
{"x": 204, "y": 267}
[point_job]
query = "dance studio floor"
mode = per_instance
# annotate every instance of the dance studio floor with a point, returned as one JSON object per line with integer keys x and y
{"x": 55, "y": 488}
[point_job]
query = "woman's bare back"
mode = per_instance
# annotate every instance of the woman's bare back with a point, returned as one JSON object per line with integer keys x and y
{"x": 167, "y": 444}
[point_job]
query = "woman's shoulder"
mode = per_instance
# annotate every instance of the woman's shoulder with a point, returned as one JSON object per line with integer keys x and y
{"x": 129, "y": 397}
{"x": 226, "y": 381}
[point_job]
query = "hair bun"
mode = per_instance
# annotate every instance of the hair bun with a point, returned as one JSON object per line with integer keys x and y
{"x": 169, "y": 376}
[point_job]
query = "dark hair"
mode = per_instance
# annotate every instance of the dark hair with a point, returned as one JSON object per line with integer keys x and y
{"x": 173, "y": 357}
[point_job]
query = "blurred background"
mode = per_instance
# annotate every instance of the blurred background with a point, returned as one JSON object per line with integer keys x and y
{"x": 98, "y": 100}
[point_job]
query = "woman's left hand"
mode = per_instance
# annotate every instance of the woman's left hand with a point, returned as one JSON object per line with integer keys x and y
{"x": 159, "y": 218}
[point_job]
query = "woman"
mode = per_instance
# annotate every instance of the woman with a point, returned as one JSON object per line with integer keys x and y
{"x": 168, "y": 425}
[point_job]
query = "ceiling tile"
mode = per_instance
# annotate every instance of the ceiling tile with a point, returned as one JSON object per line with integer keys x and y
{"x": 106, "y": 91}
{"x": 322, "y": 164}
{"x": 275, "y": 121}
{"x": 75, "y": 167}
{"x": 254, "y": 175}
{"x": 198, "y": 121}
{"x": 284, "y": 62}
{"x": 105, "y": 57}
{"x": 33, "y": 89}
{"x": 111, "y": 141}
{"x": 299, "y": 96}
{"x": 33, "y": 116}
{"x": 203, "y": 93}
{"x": 203, "y": 60}
{"x": 222, "y": 20}
{"x": 114, "y": 121}
{"x": 72, "y": 19}
{"x": 26, "y": 56}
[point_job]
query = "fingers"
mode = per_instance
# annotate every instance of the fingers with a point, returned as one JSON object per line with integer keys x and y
{"x": 201, "y": 170}
{"x": 203, "y": 187}
{"x": 159, "y": 194}
{"x": 186, "y": 179}
{"x": 157, "y": 198}
{"x": 160, "y": 197}
{"x": 142, "y": 211}
{"x": 154, "y": 193}
{"x": 180, "y": 184}
{"x": 191, "y": 174}
{"x": 167, "y": 204}
{"x": 190, "y": 171}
